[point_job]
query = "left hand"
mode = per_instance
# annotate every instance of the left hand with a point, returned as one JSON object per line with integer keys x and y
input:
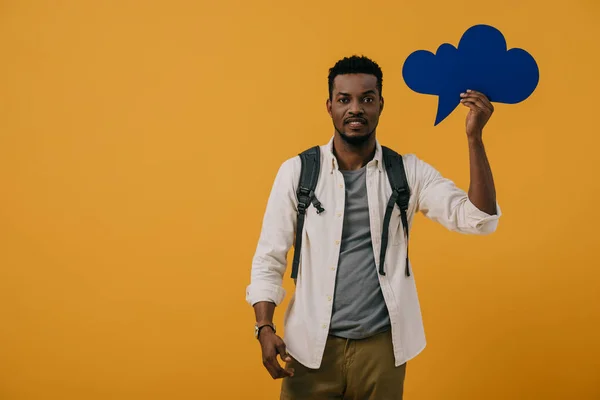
{"x": 481, "y": 109}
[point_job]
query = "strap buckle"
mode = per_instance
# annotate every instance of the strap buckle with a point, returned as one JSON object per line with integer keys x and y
{"x": 305, "y": 198}
{"x": 302, "y": 207}
{"x": 302, "y": 191}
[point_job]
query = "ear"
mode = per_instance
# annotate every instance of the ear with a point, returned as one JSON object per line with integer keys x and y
{"x": 381, "y": 102}
{"x": 328, "y": 105}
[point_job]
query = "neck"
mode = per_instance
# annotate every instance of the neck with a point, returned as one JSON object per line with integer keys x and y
{"x": 353, "y": 157}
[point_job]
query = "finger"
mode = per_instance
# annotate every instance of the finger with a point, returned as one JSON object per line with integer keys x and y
{"x": 480, "y": 96}
{"x": 275, "y": 369}
{"x": 478, "y": 106}
{"x": 283, "y": 352}
{"x": 476, "y": 93}
{"x": 284, "y": 372}
{"x": 270, "y": 362}
{"x": 471, "y": 105}
{"x": 290, "y": 371}
{"x": 278, "y": 372}
{"x": 479, "y": 101}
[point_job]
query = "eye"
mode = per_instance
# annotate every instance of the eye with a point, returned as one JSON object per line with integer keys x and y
{"x": 343, "y": 100}
{"x": 368, "y": 99}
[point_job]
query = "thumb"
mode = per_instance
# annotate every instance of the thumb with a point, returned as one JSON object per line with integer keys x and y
{"x": 283, "y": 352}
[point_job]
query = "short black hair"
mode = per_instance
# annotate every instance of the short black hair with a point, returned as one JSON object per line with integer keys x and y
{"x": 355, "y": 65}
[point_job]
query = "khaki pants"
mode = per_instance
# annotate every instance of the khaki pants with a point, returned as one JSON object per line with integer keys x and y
{"x": 351, "y": 370}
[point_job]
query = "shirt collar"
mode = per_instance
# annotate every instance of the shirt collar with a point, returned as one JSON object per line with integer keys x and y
{"x": 332, "y": 161}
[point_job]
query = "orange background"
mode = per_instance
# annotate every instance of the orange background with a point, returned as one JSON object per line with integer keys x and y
{"x": 134, "y": 171}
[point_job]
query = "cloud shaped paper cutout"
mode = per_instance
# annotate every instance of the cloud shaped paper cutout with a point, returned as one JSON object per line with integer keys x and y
{"x": 481, "y": 62}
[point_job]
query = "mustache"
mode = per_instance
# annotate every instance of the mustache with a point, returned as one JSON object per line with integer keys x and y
{"x": 355, "y": 119}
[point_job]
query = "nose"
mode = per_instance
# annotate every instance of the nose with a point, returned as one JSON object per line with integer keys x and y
{"x": 355, "y": 108}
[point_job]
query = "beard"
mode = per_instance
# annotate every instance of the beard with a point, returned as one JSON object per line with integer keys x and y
{"x": 355, "y": 141}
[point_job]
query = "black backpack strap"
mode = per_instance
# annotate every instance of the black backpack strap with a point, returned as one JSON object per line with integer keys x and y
{"x": 400, "y": 196}
{"x": 309, "y": 175}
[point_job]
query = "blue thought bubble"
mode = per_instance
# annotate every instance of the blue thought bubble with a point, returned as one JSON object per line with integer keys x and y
{"x": 481, "y": 62}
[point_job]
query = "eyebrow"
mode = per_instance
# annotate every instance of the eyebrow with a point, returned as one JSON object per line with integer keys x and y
{"x": 364, "y": 93}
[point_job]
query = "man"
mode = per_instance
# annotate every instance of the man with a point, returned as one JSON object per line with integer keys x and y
{"x": 349, "y": 329}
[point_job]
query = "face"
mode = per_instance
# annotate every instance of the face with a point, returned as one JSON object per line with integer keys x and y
{"x": 355, "y": 107}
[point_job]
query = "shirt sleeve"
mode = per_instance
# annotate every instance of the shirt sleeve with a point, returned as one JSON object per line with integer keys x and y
{"x": 276, "y": 237}
{"x": 440, "y": 200}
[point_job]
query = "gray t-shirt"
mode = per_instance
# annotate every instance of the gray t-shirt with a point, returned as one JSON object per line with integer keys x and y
{"x": 359, "y": 309}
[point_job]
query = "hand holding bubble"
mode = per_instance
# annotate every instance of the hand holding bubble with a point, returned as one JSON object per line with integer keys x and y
{"x": 481, "y": 63}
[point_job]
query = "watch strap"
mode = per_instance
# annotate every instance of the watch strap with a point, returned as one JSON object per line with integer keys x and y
{"x": 260, "y": 328}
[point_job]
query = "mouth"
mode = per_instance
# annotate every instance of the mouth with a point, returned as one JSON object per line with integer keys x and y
{"x": 355, "y": 123}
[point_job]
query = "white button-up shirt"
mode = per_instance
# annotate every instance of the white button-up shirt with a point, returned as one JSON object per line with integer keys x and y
{"x": 308, "y": 316}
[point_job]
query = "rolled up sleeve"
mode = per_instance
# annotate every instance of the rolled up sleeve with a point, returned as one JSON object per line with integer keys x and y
{"x": 440, "y": 200}
{"x": 277, "y": 234}
{"x": 481, "y": 222}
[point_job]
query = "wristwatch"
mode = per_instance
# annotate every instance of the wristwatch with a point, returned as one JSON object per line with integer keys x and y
{"x": 258, "y": 328}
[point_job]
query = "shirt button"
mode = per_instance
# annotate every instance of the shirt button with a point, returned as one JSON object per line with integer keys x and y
{"x": 329, "y": 298}
{"x": 337, "y": 242}
{"x": 339, "y": 214}
{"x": 324, "y": 326}
{"x": 341, "y": 186}
{"x": 333, "y": 268}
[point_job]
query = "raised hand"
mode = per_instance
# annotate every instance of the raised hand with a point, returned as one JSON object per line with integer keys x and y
{"x": 481, "y": 109}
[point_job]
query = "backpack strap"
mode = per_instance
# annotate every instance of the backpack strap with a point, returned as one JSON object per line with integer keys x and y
{"x": 309, "y": 175}
{"x": 400, "y": 196}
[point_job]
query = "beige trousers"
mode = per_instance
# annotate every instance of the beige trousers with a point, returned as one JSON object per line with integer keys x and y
{"x": 351, "y": 370}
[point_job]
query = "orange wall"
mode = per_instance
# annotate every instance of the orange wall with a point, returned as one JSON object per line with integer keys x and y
{"x": 134, "y": 172}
